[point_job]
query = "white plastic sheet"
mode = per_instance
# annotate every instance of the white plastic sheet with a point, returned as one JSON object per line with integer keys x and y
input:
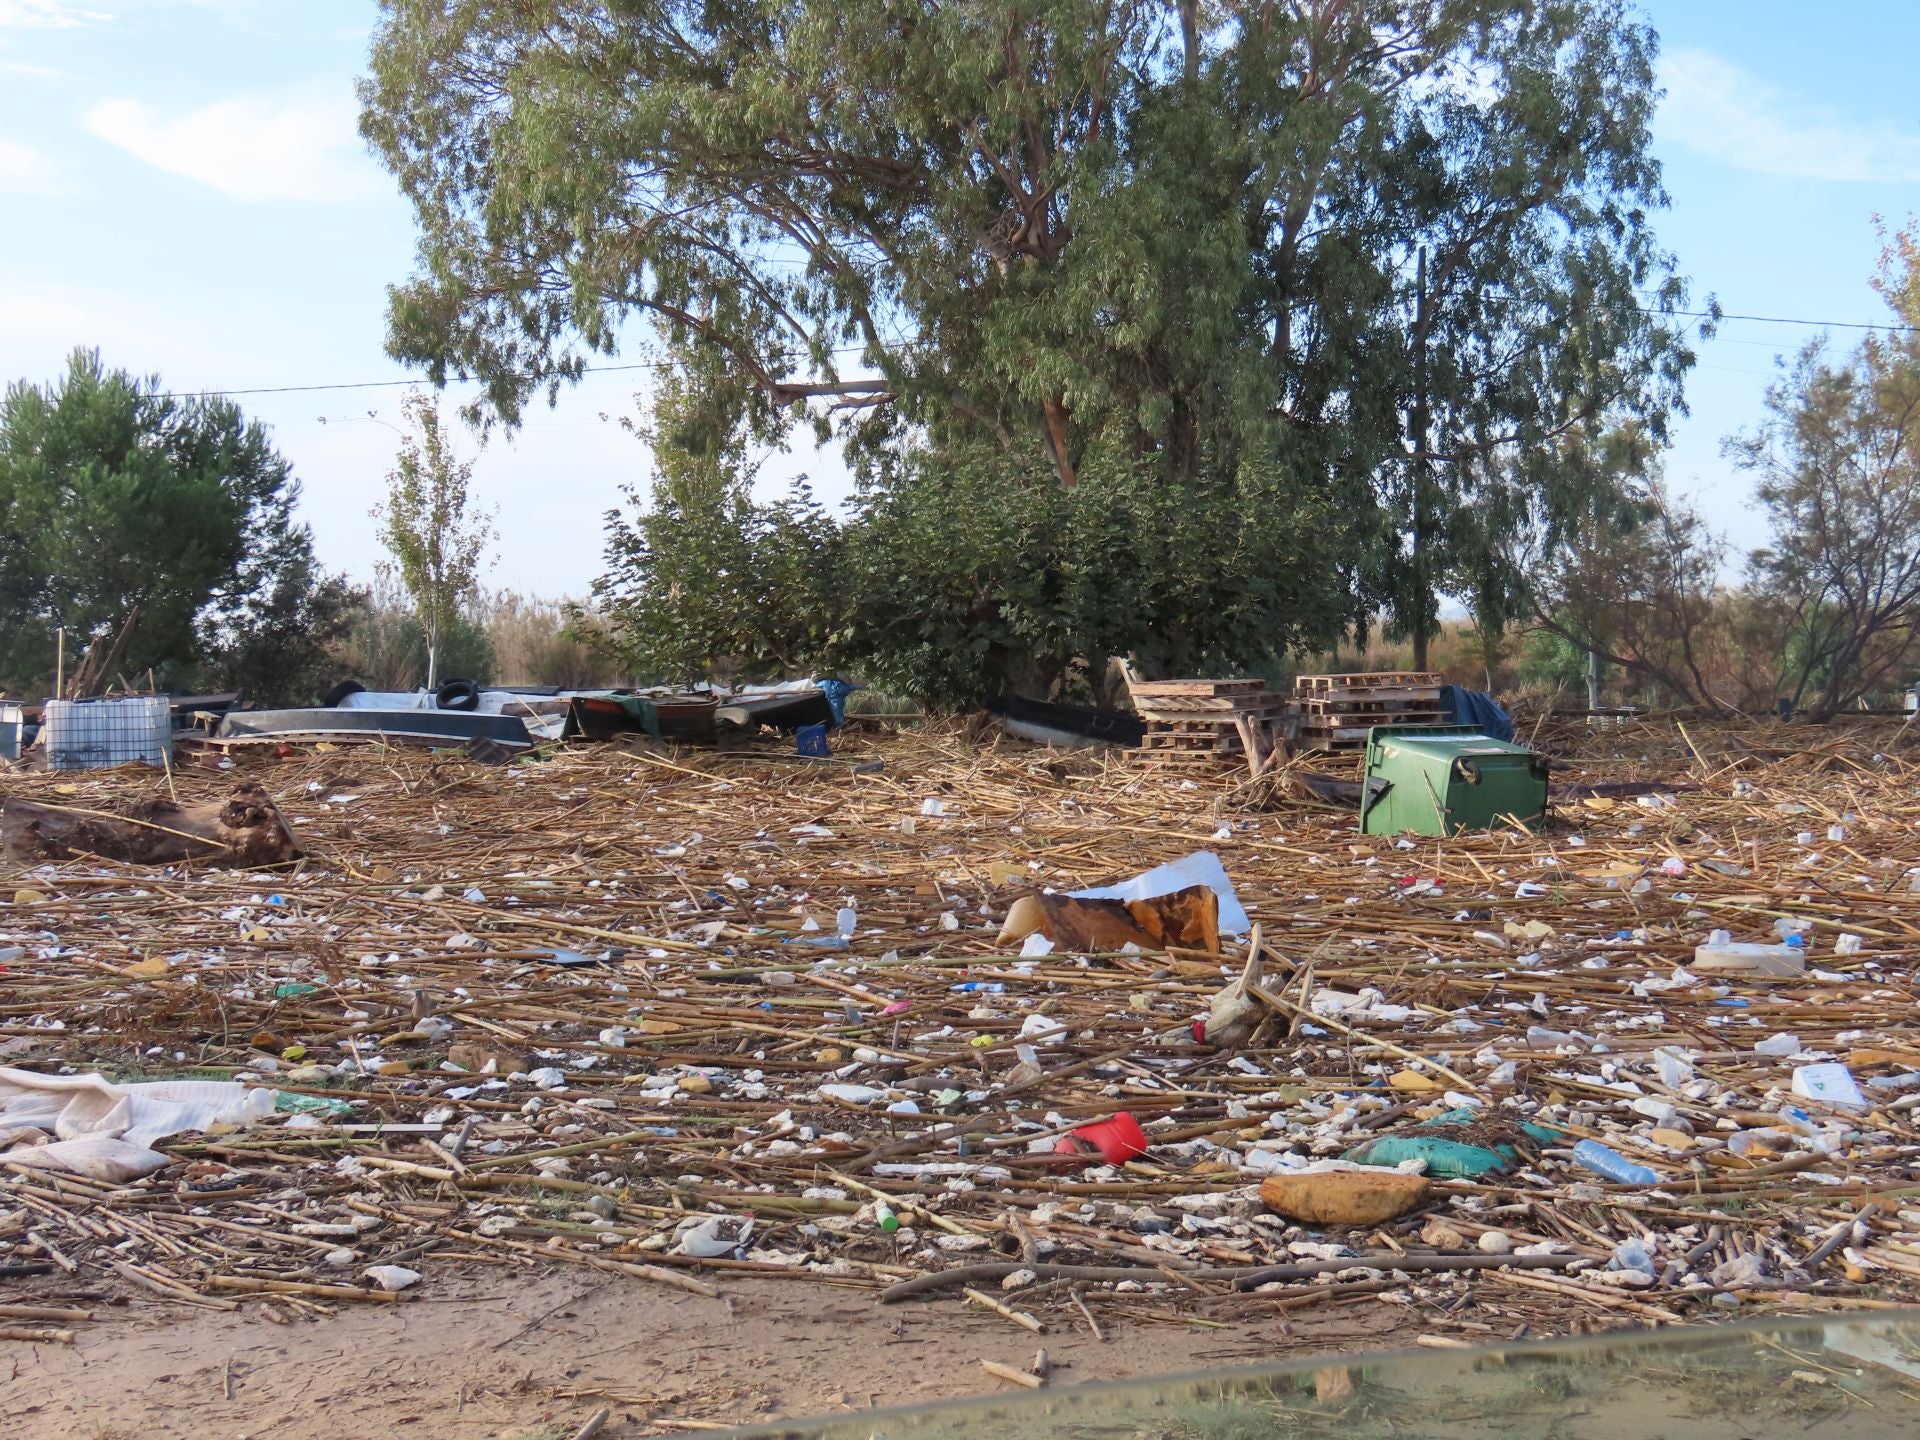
{"x": 107, "y": 1130}
{"x": 1203, "y": 867}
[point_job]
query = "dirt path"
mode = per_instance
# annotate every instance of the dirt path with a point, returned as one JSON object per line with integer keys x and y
{"x": 479, "y": 1359}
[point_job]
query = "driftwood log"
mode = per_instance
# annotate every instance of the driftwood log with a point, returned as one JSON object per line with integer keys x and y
{"x": 244, "y": 831}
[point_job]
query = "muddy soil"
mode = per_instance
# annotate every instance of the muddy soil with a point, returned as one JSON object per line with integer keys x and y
{"x": 489, "y": 1355}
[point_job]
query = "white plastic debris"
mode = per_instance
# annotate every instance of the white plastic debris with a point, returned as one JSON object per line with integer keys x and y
{"x": 107, "y": 1131}
{"x": 713, "y": 1237}
{"x": 1042, "y": 1030}
{"x": 392, "y": 1277}
{"x": 852, "y": 1094}
{"x": 1203, "y": 867}
{"x": 1830, "y": 1085}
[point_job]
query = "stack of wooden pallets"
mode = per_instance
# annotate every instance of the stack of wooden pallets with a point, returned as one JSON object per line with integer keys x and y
{"x": 1336, "y": 711}
{"x": 1206, "y": 721}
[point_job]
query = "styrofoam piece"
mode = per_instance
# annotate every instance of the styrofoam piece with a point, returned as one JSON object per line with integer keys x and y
{"x": 1203, "y": 867}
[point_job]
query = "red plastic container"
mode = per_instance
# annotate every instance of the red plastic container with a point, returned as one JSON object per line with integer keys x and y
{"x": 1116, "y": 1140}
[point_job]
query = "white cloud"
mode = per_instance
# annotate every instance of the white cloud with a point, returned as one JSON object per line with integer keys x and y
{"x": 1722, "y": 112}
{"x": 47, "y": 14}
{"x": 25, "y": 171}
{"x": 253, "y": 148}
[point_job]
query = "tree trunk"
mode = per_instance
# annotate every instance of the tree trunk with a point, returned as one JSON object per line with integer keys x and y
{"x": 1056, "y": 414}
{"x": 244, "y": 830}
{"x": 1422, "y": 419}
{"x": 433, "y": 664}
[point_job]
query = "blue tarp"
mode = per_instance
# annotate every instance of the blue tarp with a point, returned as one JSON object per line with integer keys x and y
{"x": 1478, "y": 709}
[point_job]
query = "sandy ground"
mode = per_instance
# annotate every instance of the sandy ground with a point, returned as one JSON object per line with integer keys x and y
{"x": 492, "y": 1356}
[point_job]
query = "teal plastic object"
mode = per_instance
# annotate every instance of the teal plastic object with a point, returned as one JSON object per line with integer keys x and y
{"x": 1447, "y": 1159}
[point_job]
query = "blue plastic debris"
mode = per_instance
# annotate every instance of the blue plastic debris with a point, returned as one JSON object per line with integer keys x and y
{"x": 836, "y": 693}
{"x": 810, "y": 740}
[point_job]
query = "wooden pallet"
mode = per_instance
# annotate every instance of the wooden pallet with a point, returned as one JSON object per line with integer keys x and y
{"x": 1370, "y": 680}
{"x": 1159, "y": 688}
{"x": 1336, "y": 711}
{"x": 1222, "y": 737}
{"x": 1186, "y": 759}
{"x": 1360, "y": 712}
{"x": 1260, "y": 703}
{"x": 1206, "y": 720}
{"x": 1228, "y": 744}
{"x": 1338, "y": 747}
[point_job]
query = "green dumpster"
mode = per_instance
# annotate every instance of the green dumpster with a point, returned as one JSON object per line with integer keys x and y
{"x": 1440, "y": 780}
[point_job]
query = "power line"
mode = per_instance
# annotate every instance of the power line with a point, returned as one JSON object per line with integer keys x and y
{"x": 400, "y": 384}
{"x": 367, "y": 384}
{"x": 848, "y": 350}
{"x": 1778, "y": 320}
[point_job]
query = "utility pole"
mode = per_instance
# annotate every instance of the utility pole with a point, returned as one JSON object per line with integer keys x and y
{"x": 1421, "y": 420}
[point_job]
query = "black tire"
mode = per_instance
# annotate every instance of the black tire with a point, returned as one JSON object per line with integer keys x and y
{"x": 458, "y": 695}
{"x": 340, "y": 692}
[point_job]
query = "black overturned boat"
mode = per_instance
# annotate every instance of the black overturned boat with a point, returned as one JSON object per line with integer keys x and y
{"x": 780, "y": 709}
{"x": 1047, "y": 723}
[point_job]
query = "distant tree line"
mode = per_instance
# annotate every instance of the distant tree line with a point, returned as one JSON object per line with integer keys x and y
{"x": 1826, "y": 615}
{"x": 159, "y": 532}
{"x": 1211, "y": 335}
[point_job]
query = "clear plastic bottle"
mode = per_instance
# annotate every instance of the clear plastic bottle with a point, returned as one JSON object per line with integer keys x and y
{"x": 1612, "y": 1164}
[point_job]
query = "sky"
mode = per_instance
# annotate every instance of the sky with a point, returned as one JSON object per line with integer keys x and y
{"x": 182, "y": 185}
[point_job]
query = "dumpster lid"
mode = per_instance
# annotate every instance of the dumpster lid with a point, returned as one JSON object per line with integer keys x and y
{"x": 1444, "y": 739}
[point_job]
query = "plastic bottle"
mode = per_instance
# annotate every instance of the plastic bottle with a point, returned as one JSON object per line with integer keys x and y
{"x": 884, "y": 1217}
{"x": 1594, "y": 1156}
{"x": 849, "y": 920}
